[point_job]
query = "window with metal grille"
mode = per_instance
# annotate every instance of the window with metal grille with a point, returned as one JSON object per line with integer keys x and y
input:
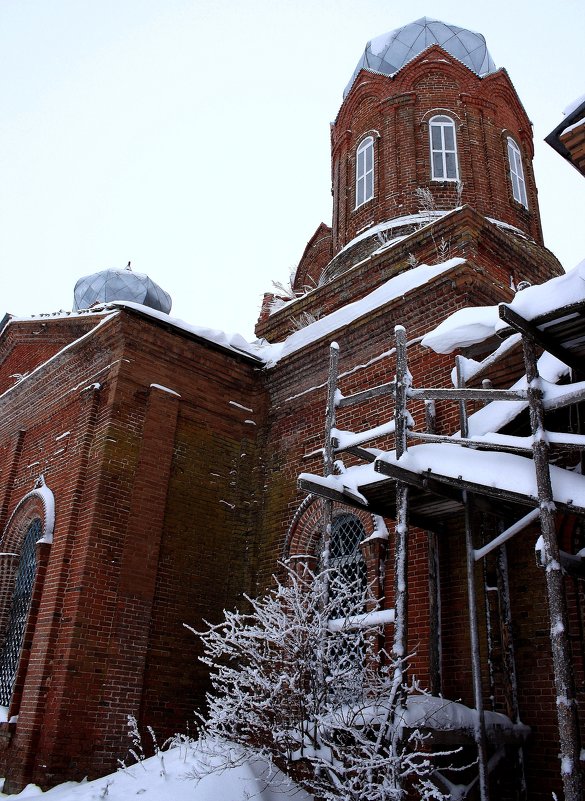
{"x": 18, "y": 613}
{"x": 348, "y": 572}
{"x": 443, "y": 143}
{"x": 364, "y": 172}
{"x": 517, "y": 173}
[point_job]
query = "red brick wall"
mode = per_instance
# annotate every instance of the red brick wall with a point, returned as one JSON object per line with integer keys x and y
{"x": 396, "y": 111}
{"x": 496, "y": 253}
{"x": 296, "y": 421}
{"x": 155, "y": 500}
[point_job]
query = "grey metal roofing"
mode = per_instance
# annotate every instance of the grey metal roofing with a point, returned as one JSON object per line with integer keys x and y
{"x": 106, "y": 286}
{"x": 391, "y": 51}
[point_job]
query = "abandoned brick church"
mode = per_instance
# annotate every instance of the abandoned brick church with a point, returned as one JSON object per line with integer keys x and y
{"x": 149, "y": 470}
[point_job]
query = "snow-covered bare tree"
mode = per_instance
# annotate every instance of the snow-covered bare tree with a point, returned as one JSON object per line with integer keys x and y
{"x": 300, "y": 682}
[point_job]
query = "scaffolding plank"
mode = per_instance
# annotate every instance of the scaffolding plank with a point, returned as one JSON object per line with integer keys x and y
{"x": 447, "y": 486}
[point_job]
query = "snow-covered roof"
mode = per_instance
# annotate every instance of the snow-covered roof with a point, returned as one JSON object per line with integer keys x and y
{"x": 230, "y": 341}
{"x": 393, "y": 288}
{"x": 389, "y": 52}
{"x": 564, "y": 290}
{"x": 491, "y": 471}
{"x": 574, "y": 105}
{"x": 475, "y": 324}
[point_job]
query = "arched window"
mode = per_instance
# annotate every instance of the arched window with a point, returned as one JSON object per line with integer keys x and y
{"x": 18, "y": 610}
{"x": 364, "y": 172}
{"x": 24, "y": 551}
{"x": 517, "y": 173}
{"x": 443, "y": 149}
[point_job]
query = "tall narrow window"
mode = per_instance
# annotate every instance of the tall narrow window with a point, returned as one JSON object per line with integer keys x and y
{"x": 517, "y": 173}
{"x": 364, "y": 172}
{"x": 18, "y": 614}
{"x": 348, "y": 589}
{"x": 443, "y": 149}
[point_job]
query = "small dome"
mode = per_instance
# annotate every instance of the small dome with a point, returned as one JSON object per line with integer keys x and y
{"x": 109, "y": 285}
{"x": 391, "y": 51}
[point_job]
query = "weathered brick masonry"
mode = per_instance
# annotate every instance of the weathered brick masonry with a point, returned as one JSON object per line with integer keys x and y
{"x": 173, "y": 460}
{"x": 155, "y": 494}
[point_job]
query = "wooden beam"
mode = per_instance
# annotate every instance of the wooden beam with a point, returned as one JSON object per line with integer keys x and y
{"x": 471, "y": 443}
{"x": 361, "y": 453}
{"x": 367, "y": 394}
{"x": 540, "y": 337}
{"x": 564, "y": 311}
{"x": 467, "y": 394}
{"x": 450, "y": 487}
{"x": 557, "y": 604}
{"x": 332, "y": 494}
{"x": 424, "y": 481}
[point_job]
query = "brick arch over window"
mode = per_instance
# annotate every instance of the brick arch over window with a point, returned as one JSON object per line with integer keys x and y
{"x": 302, "y": 538}
{"x": 29, "y": 528}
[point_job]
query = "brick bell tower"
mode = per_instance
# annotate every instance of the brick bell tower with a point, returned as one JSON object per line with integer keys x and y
{"x": 427, "y": 124}
{"x": 427, "y": 108}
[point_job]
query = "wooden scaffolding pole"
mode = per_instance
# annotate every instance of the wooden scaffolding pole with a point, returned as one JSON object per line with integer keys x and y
{"x": 328, "y": 459}
{"x": 561, "y": 654}
{"x": 509, "y": 659}
{"x": 399, "y": 648}
{"x": 435, "y": 633}
{"x": 479, "y": 728}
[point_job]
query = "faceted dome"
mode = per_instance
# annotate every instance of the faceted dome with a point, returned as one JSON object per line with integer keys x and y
{"x": 391, "y": 51}
{"x": 109, "y": 285}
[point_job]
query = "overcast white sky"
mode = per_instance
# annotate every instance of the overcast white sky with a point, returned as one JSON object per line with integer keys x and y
{"x": 192, "y": 136}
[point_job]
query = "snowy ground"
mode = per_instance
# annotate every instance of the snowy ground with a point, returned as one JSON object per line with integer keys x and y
{"x": 170, "y": 777}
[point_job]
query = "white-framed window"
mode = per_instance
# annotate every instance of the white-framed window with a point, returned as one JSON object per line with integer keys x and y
{"x": 443, "y": 144}
{"x": 517, "y": 173}
{"x": 364, "y": 172}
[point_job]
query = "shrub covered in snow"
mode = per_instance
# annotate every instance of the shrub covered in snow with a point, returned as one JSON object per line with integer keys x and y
{"x": 297, "y": 688}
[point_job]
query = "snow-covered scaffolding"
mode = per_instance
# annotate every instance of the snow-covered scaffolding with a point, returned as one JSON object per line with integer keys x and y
{"x": 480, "y": 468}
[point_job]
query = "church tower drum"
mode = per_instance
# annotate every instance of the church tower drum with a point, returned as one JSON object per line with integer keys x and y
{"x": 427, "y": 118}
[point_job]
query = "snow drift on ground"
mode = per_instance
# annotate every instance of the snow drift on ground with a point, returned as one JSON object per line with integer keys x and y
{"x": 169, "y": 776}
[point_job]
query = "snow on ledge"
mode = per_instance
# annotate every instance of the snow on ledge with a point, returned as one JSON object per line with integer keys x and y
{"x": 230, "y": 341}
{"x": 422, "y": 218}
{"x": 380, "y": 617}
{"x": 573, "y": 106}
{"x": 463, "y": 328}
{"x": 563, "y": 290}
{"x": 394, "y": 288}
{"x": 475, "y": 324}
{"x": 48, "y": 500}
{"x": 165, "y": 389}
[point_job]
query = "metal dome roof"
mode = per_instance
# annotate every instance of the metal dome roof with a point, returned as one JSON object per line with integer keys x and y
{"x": 109, "y": 285}
{"x": 391, "y": 51}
